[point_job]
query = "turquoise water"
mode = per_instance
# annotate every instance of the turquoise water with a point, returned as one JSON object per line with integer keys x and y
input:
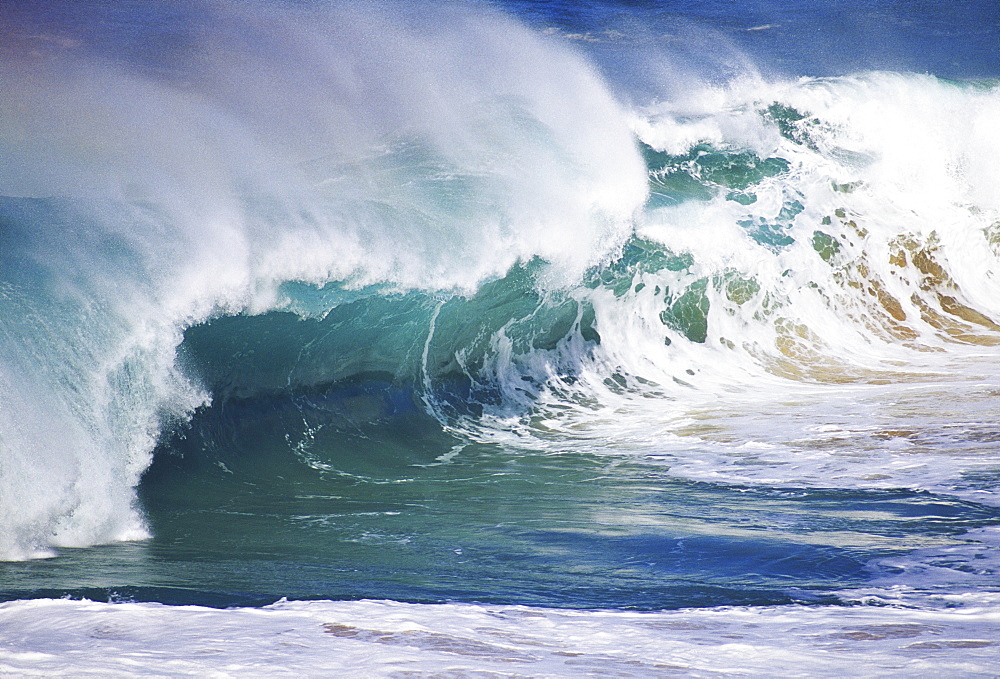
{"x": 492, "y": 525}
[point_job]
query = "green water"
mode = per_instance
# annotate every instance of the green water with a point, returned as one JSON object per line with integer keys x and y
{"x": 372, "y": 514}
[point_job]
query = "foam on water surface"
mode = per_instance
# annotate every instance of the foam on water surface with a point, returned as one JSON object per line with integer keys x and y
{"x": 389, "y": 639}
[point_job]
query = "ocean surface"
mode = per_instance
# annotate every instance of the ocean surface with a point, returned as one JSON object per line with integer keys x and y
{"x": 510, "y": 339}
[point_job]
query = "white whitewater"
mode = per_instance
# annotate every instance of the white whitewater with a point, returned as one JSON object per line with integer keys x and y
{"x": 388, "y": 639}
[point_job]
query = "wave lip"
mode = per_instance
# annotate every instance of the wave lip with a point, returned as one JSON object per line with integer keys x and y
{"x": 147, "y": 192}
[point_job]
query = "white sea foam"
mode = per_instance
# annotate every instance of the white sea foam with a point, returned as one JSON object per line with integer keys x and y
{"x": 389, "y": 639}
{"x": 873, "y": 367}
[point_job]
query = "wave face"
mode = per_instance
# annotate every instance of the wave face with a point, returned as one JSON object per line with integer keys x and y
{"x": 147, "y": 190}
{"x": 834, "y": 239}
{"x": 408, "y": 299}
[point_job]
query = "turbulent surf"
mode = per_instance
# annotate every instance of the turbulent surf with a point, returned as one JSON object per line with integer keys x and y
{"x": 496, "y": 306}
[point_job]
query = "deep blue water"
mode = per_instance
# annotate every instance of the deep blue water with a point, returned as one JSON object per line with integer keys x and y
{"x": 793, "y": 38}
